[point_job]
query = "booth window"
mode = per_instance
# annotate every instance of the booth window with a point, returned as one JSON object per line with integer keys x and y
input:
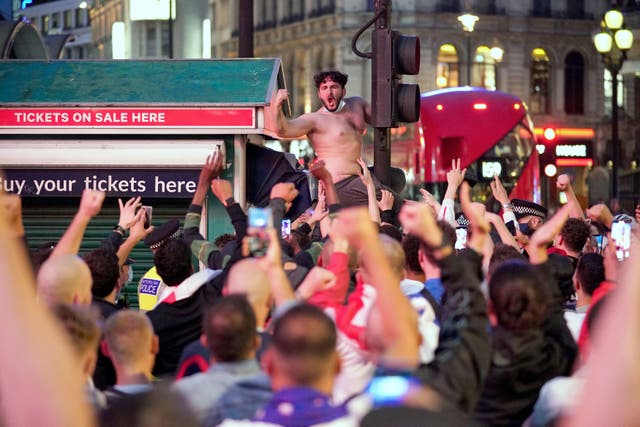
{"x": 447, "y": 74}
{"x": 540, "y": 68}
{"x": 574, "y": 83}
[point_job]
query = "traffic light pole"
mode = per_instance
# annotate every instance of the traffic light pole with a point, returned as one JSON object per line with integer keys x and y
{"x": 381, "y": 135}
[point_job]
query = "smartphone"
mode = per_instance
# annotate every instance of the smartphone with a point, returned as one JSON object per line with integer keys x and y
{"x": 621, "y": 235}
{"x": 562, "y": 196}
{"x": 148, "y": 215}
{"x": 461, "y": 238}
{"x": 260, "y": 220}
{"x": 286, "y": 228}
{"x": 599, "y": 240}
{"x": 389, "y": 390}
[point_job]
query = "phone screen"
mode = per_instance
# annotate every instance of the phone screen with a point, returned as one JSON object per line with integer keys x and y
{"x": 286, "y": 228}
{"x": 621, "y": 235}
{"x": 260, "y": 220}
{"x": 148, "y": 215}
{"x": 562, "y": 196}
{"x": 461, "y": 238}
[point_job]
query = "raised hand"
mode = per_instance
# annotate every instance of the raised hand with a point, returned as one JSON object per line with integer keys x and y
{"x": 365, "y": 174}
{"x": 498, "y": 190}
{"x": 386, "y": 200}
{"x": 416, "y": 218}
{"x": 455, "y": 176}
{"x": 91, "y": 202}
{"x": 222, "y": 189}
{"x": 128, "y": 212}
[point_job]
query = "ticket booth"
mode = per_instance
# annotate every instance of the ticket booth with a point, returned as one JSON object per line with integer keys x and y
{"x": 130, "y": 128}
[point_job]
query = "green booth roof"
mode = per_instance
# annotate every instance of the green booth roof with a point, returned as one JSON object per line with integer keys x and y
{"x": 215, "y": 82}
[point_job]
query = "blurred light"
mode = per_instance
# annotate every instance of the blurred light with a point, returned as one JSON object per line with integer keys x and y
{"x": 468, "y": 21}
{"x": 83, "y": 5}
{"x": 479, "y": 106}
{"x": 550, "y": 170}
{"x": 206, "y": 38}
{"x": 118, "y": 40}
{"x": 496, "y": 53}
{"x": 516, "y": 106}
{"x": 613, "y": 19}
{"x": 439, "y": 107}
{"x": 549, "y": 134}
{"x": 541, "y": 148}
{"x": 574, "y": 162}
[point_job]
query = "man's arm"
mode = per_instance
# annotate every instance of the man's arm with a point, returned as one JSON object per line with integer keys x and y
{"x": 30, "y": 333}
{"x": 563, "y": 183}
{"x": 290, "y": 128}
{"x": 137, "y": 232}
{"x": 365, "y": 176}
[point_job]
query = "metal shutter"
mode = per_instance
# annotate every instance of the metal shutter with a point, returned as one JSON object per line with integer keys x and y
{"x": 46, "y": 219}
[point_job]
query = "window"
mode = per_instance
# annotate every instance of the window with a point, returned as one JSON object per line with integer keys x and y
{"x": 542, "y": 8}
{"x": 67, "y": 20}
{"x": 608, "y": 91}
{"x": 150, "y": 40}
{"x": 484, "y": 73}
{"x": 540, "y": 68}
{"x": 447, "y": 74}
{"x": 55, "y": 20}
{"x": 575, "y": 9}
{"x": 80, "y": 14}
{"x": 45, "y": 23}
{"x": 574, "y": 83}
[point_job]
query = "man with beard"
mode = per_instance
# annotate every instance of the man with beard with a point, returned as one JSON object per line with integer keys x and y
{"x": 335, "y": 131}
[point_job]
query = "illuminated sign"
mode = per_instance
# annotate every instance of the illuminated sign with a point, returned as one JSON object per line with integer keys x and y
{"x": 573, "y": 150}
{"x": 151, "y": 10}
{"x": 126, "y": 117}
{"x": 490, "y": 169}
{"x": 115, "y": 182}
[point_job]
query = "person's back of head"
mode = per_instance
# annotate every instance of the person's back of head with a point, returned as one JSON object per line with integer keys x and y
{"x": 590, "y": 272}
{"x": 247, "y": 278}
{"x": 502, "y": 253}
{"x": 575, "y": 234}
{"x": 130, "y": 340}
{"x": 411, "y": 246}
{"x": 64, "y": 279}
{"x": 81, "y": 326}
{"x": 391, "y": 231}
{"x": 394, "y": 254}
{"x": 105, "y": 271}
{"x": 173, "y": 262}
{"x": 518, "y": 298}
{"x": 304, "y": 346}
{"x": 229, "y": 328}
{"x": 159, "y": 407}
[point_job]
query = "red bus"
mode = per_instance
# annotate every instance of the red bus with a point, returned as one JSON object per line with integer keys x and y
{"x": 490, "y": 131}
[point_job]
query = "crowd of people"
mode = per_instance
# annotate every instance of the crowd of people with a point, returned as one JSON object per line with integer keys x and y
{"x": 394, "y": 313}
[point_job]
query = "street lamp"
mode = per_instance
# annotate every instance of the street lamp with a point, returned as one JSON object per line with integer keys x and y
{"x": 468, "y": 21}
{"x": 612, "y": 43}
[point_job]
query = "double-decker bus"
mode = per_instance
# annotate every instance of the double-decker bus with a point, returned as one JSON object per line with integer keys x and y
{"x": 490, "y": 131}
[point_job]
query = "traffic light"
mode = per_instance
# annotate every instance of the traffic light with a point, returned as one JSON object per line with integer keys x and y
{"x": 394, "y": 102}
{"x": 547, "y": 152}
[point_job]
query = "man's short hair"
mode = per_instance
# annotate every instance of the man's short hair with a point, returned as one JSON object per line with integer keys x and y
{"x": 393, "y": 253}
{"x": 334, "y": 76}
{"x": 590, "y": 272}
{"x": 391, "y": 231}
{"x": 575, "y": 234}
{"x": 230, "y": 327}
{"x": 129, "y": 334}
{"x": 304, "y": 338}
{"x": 81, "y": 326}
{"x": 502, "y": 253}
{"x": 173, "y": 261}
{"x": 448, "y": 237}
{"x": 411, "y": 244}
{"x": 105, "y": 271}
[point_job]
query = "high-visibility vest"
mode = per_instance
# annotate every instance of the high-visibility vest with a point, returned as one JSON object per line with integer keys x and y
{"x": 150, "y": 286}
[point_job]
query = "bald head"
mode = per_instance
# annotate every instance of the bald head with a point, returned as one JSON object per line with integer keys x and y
{"x": 246, "y": 277}
{"x": 64, "y": 279}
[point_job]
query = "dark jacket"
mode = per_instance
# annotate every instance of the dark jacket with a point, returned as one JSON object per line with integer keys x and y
{"x": 520, "y": 365}
{"x": 461, "y": 361}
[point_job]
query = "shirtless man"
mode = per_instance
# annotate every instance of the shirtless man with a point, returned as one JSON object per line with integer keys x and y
{"x": 335, "y": 130}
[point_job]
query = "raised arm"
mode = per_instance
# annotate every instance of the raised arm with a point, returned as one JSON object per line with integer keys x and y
{"x": 90, "y": 205}
{"x": 29, "y": 332}
{"x": 454, "y": 178}
{"x": 563, "y": 183}
{"x": 137, "y": 232}
{"x": 290, "y": 128}
{"x": 365, "y": 176}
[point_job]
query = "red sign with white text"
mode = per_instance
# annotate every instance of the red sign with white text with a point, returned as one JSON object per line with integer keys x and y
{"x": 130, "y": 117}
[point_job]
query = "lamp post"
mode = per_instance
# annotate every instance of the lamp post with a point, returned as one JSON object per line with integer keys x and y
{"x": 468, "y": 21}
{"x": 612, "y": 42}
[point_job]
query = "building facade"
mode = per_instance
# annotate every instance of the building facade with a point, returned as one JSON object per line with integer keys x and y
{"x": 540, "y": 50}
